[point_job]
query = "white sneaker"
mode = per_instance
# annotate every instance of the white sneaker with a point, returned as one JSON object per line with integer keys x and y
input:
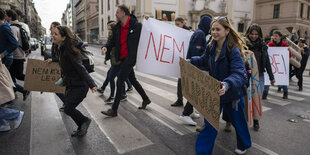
{"x": 5, "y": 127}
{"x": 187, "y": 120}
{"x": 237, "y": 151}
{"x": 195, "y": 115}
{"x": 18, "y": 121}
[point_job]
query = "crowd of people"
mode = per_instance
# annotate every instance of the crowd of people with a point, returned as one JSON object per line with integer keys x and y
{"x": 215, "y": 47}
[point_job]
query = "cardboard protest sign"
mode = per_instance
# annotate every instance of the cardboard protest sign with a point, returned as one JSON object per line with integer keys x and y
{"x": 41, "y": 76}
{"x": 253, "y": 106}
{"x": 296, "y": 54}
{"x": 201, "y": 90}
{"x": 160, "y": 46}
{"x": 279, "y": 60}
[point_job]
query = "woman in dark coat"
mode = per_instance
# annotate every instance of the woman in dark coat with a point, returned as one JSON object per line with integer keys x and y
{"x": 75, "y": 77}
{"x": 255, "y": 43}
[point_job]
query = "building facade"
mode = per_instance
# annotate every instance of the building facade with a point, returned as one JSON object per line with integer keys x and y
{"x": 27, "y": 13}
{"x": 288, "y": 16}
{"x": 80, "y": 19}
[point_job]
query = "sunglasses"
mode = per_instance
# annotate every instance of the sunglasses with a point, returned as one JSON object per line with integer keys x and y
{"x": 218, "y": 18}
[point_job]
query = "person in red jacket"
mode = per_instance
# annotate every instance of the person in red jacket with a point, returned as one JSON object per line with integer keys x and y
{"x": 277, "y": 42}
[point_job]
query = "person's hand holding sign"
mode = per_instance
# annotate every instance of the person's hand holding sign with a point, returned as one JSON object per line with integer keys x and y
{"x": 103, "y": 50}
{"x": 222, "y": 90}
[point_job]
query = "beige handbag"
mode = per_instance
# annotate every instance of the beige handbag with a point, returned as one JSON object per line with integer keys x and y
{"x": 6, "y": 85}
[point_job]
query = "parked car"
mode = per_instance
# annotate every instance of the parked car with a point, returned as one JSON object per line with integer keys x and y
{"x": 33, "y": 44}
{"x": 48, "y": 41}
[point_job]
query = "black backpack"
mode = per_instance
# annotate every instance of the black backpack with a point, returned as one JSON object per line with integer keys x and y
{"x": 88, "y": 60}
{"x": 24, "y": 36}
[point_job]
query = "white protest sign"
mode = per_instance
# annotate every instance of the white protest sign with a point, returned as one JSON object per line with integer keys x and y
{"x": 279, "y": 60}
{"x": 160, "y": 46}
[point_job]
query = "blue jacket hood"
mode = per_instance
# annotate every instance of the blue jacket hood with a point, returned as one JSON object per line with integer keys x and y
{"x": 204, "y": 24}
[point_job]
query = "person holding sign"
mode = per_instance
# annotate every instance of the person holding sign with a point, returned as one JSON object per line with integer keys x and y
{"x": 125, "y": 39}
{"x": 255, "y": 43}
{"x": 197, "y": 46}
{"x": 277, "y": 42}
{"x": 179, "y": 22}
{"x": 75, "y": 77}
{"x": 231, "y": 71}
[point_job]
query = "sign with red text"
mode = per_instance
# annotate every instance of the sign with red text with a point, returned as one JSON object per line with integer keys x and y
{"x": 279, "y": 60}
{"x": 41, "y": 76}
{"x": 160, "y": 46}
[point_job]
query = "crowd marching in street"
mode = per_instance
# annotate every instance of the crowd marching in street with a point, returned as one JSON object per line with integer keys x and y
{"x": 215, "y": 47}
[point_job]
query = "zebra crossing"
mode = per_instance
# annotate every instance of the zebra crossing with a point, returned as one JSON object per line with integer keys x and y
{"x": 159, "y": 110}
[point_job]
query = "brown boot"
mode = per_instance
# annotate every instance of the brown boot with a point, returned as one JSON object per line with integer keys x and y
{"x": 201, "y": 128}
{"x": 110, "y": 113}
{"x": 144, "y": 104}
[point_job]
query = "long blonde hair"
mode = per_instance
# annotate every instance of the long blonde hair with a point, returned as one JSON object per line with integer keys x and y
{"x": 233, "y": 37}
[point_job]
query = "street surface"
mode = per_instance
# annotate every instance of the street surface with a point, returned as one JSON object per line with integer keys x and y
{"x": 154, "y": 131}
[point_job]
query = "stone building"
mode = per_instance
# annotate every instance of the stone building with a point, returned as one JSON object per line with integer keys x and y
{"x": 288, "y": 16}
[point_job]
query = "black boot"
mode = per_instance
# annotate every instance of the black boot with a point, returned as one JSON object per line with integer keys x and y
{"x": 285, "y": 94}
{"x": 279, "y": 89}
{"x": 264, "y": 97}
{"x": 177, "y": 103}
{"x": 256, "y": 125}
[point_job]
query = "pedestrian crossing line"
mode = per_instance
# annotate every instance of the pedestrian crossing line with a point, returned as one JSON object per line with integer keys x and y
{"x": 306, "y": 120}
{"x": 152, "y": 77}
{"x": 113, "y": 128}
{"x": 160, "y": 92}
{"x": 273, "y": 92}
{"x": 263, "y": 149}
{"x": 266, "y": 108}
{"x": 47, "y": 126}
{"x": 278, "y": 102}
{"x": 156, "y": 107}
{"x": 151, "y": 115}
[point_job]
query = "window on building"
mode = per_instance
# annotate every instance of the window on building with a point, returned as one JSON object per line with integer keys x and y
{"x": 117, "y": 2}
{"x": 301, "y": 10}
{"x": 102, "y": 25}
{"x": 102, "y": 7}
{"x": 308, "y": 13}
{"x": 276, "y": 11}
{"x": 240, "y": 27}
{"x": 108, "y": 4}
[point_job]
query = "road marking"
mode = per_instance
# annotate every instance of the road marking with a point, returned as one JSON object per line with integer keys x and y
{"x": 265, "y": 108}
{"x": 306, "y": 120}
{"x": 278, "y": 102}
{"x": 157, "y": 108}
{"x": 123, "y": 140}
{"x": 290, "y": 97}
{"x": 48, "y": 132}
{"x": 263, "y": 149}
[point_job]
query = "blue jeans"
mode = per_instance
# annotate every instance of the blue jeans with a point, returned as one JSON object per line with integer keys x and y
{"x": 112, "y": 73}
{"x": 7, "y": 114}
{"x": 7, "y": 62}
{"x": 206, "y": 138}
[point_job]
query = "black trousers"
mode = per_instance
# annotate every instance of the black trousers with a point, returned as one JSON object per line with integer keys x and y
{"x": 300, "y": 71}
{"x": 17, "y": 70}
{"x": 127, "y": 71}
{"x": 179, "y": 91}
{"x": 74, "y": 96}
{"x": 188, "y": 109}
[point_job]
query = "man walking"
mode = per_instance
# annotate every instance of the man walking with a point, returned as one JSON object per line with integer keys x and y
{"x": 125, "y": 39}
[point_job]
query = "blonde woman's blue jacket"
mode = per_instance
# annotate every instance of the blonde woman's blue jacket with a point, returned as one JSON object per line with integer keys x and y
{"x": 228, "y": 69}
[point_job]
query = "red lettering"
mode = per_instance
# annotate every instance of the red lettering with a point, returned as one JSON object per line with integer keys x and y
{"x": 147, "y": 50}
{"x": 162, "y": 52}
{"x": 272, "y": 61}
{"x": 179, "y": 49}
{"x": 277, "y": 63}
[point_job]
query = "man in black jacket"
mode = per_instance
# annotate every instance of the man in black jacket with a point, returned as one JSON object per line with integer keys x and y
{"x": 125, "y": 39}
